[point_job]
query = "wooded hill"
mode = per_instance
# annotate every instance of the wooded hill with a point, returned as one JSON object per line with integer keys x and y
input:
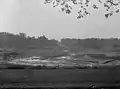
{"x": 44, "y": 46}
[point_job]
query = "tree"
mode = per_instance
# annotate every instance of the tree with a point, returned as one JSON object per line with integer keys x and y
{"x": 22, "y": 35}
{"x": 110, "y": 6}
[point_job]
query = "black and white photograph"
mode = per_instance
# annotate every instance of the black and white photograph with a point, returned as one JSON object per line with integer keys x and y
{"x": 60, "y": 44}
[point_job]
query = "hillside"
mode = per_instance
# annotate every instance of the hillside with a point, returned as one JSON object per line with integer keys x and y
{"x": 92, "y": 44}
{"x": 31, "y": 46}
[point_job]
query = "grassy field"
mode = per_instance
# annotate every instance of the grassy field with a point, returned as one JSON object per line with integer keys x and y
{"x": 61, "y": 76}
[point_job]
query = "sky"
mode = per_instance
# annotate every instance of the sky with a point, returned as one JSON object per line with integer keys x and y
{"x": 35, "y": 18}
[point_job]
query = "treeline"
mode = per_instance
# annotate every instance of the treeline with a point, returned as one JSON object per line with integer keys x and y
{"x": 111, "y": 44}
{"x": 22, "y": 42}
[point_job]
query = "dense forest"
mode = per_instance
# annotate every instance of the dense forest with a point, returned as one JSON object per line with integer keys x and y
{"x": 44, "y": 46}
{"x": 111, "y": 44}
{"x": 21, "y": 41}
{"x": 28, "y": 45}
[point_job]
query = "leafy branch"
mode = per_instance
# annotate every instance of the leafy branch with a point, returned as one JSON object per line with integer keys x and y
{"x": 110, "y": 6}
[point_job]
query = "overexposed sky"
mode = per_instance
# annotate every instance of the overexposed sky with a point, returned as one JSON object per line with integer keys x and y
{"x": 35, "y": 18}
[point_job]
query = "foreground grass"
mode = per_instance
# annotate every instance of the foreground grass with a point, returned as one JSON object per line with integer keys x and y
{"x": 61, "y": 76}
